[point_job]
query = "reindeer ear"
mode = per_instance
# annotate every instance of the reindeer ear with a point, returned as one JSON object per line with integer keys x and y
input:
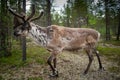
{"x": 50, "y": 29}
{"x": 50, "y": 32}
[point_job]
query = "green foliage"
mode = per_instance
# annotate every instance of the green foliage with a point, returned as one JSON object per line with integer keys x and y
{"x": 73, "y": 12}
{"x": 5, "y": 30}
{"x": 56, "y": 18}
{"x": 80, "y": 7}
{"x": 102, "y": 31}
{"x": 92, "y": 20}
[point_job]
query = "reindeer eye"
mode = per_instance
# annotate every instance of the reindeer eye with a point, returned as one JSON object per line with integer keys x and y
{"x": 22, "y": 28}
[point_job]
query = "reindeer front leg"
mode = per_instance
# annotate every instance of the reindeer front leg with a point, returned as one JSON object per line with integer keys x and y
{"x": 53, "y": 68}
{"x": 54, "y": 62}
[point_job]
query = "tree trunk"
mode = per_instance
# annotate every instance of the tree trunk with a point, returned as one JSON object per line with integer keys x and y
{"x": 48, "y": 13}
{"x": 107, "y": 21}
{"x": 24, "y": 38}
{"x": 68, "y": 16}
{"x": 19, "y": 5}
{"x": 118, "y": 33}
{"x": 4, "y": 31}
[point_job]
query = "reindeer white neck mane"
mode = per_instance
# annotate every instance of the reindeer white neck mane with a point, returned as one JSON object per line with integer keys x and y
{"x": 37, "y": 33}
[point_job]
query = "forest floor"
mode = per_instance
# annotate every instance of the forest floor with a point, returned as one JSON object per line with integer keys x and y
{"x": 70, "y": 65}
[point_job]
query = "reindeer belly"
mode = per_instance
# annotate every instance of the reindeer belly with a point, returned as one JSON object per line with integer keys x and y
{"x": 73, "y": 44}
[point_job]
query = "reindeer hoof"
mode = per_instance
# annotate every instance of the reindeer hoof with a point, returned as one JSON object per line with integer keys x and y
{"x": 101, "y": 69}
{"x": 55, "y": 74}
{"x": 85, "y": 73}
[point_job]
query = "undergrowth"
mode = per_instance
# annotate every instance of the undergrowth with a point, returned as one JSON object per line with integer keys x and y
{"x": 37, "y": 54}
{"x": 113, "y": 55}
{"x": 35, "y": 78}
{"x": 108, "y": 51}
{"x": 34, "y": 54}
{"x": 113, "y": 42}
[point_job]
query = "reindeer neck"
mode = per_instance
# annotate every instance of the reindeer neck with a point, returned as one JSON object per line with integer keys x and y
{"x": 38, "y": 34}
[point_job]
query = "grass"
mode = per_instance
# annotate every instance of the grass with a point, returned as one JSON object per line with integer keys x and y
{"x": 1, "y": 78}
{"x": 35, "y": 54}
{"x": 112, "y": 54}
{"x": 108, "y": 51}
{"x": 15, "y": 59}
{"x": 35, "y": 78}
{"x": 38, "y": 54}
{"x": 113, "y": 42}
{"x": 114, "y": 69}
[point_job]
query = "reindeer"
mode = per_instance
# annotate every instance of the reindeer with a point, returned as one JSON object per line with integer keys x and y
{"x": 57, "y": 38}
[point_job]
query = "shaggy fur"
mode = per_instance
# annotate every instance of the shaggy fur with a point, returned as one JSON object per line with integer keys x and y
{"x": 57, "y": 38}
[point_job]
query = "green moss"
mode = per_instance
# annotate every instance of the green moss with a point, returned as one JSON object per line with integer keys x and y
{"x": 113, "y": 42}
{"x": 114, "y": 69}
{"x": 1, "y": 78}
{"x": 12, "y": 60}
{"x": 112, "y": 54}
{"x": 37, "y": 53}
{"x": 109, "y": 51}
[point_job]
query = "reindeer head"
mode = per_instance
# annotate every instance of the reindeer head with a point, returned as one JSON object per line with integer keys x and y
{"x": 22, "y": 22}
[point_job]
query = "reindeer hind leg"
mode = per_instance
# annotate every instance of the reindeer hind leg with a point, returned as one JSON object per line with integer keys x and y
{"x": 99, "y": 60}
{"x": 90, "y": 56}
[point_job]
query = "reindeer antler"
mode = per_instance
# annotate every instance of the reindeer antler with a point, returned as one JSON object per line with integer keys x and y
{"x": 23, "y": 17}
{"x": 37, "y": 17}
{"x": 33, "y": 12}
{"x": 14, "y": 13}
